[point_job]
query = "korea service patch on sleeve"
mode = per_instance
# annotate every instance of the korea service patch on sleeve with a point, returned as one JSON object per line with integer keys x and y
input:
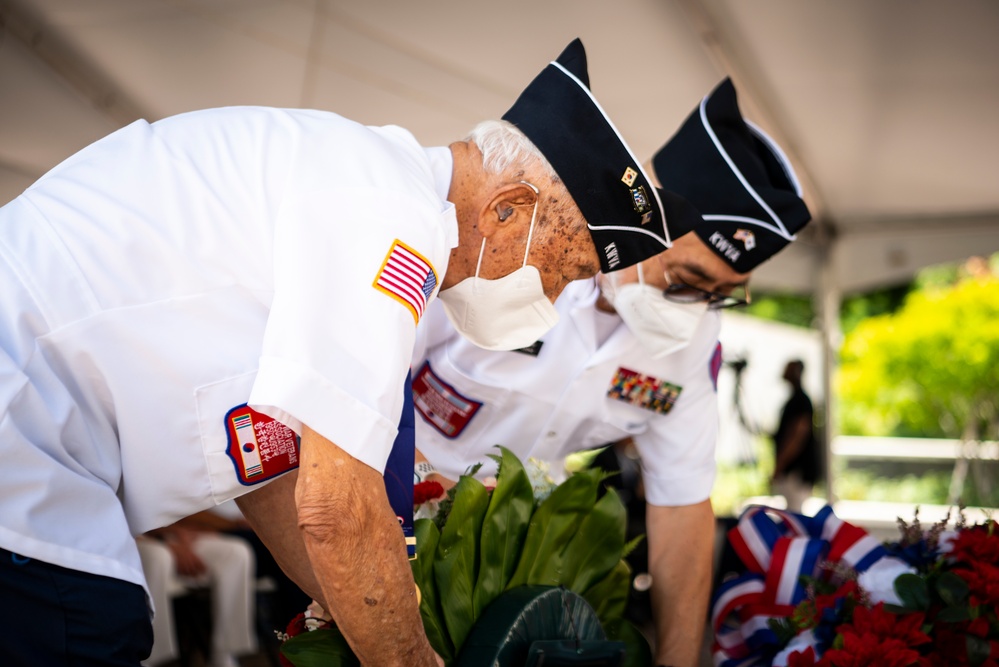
{"x": 260, "y": 447}
{"x": 643, "y": 391}
{"x": 408, "y": 277}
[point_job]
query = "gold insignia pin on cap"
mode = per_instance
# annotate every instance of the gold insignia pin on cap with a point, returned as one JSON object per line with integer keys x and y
{"x": 640, "y": 199}
{"x": 629, "y": 177}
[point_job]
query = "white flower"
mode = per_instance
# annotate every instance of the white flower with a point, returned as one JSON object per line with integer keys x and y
{"x": 427, "y": 510}
{"x": 799, "y": 642}
{"x": 539, "y": 472}
{"x": 946, "y": 542}
{"x": 879, "y": 579}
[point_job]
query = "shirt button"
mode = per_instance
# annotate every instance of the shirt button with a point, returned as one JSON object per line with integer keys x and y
{"x": 551, "y": 434}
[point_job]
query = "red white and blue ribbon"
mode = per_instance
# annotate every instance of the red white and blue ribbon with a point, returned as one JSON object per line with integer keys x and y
{"x": 778, "y": 548}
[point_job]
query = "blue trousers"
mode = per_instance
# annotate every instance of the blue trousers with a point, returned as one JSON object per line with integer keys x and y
{"x": 53, "y": 617}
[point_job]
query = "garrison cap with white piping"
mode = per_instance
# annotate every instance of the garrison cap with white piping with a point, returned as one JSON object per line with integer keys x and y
{"x": 625, "y": 214}
{"x": 737, "y": 177}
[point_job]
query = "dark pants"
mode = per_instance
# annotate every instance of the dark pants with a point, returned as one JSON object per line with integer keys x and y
{"x": 51, "y": 616}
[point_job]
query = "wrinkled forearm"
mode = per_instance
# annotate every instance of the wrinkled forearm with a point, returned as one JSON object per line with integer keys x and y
{"x": 271, "y": 512}
{"x": 681, "y": 545}
{"x": 359, "y": 556}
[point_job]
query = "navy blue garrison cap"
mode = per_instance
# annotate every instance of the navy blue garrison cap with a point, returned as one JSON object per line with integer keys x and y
{"x": 624, "y": 212}
{"x": 737, "y": 177}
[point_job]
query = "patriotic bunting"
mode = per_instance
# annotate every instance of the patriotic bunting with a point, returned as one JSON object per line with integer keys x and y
{"x": 778, "y": 548}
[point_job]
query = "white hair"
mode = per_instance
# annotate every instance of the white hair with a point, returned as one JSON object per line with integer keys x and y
{"x": 508, "y": 152}
{"x": 504, "y": 147}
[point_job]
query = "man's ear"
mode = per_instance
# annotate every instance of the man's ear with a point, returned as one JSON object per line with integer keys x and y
{"x": 507, "y": 205}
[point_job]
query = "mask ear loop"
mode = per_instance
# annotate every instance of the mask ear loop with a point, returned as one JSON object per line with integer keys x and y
{"x": 482, "y": 250}
{"x": 530, "y": 231}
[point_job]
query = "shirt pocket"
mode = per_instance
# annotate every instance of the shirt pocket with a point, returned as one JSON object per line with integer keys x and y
{"x": 491, "y": 401}
{"x": 243, "y": 449}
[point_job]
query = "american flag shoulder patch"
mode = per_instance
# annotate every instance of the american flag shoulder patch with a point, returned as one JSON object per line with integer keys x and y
{"x": 408, "y": 277}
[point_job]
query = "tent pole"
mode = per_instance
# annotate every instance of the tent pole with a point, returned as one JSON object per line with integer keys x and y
{"x": 828, "y": 299}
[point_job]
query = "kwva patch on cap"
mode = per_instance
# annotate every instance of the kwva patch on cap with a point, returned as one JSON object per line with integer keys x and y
{"x": 737, "y": 177}
{"x": 624, "y": 212}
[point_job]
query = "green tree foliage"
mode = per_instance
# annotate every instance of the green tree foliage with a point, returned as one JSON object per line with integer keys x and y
{"x": 799, "y": 310}
{"x": 929, "y": 369}
{"x": 859, "y": 307}
{"x": 792, "y": 309}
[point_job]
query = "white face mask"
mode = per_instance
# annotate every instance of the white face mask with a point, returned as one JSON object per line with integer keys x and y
{"x": 507, "y": 313}
{"x": 661, "y": 325}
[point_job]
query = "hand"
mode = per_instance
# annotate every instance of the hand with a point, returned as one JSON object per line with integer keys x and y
{"x": 179, "y": 541}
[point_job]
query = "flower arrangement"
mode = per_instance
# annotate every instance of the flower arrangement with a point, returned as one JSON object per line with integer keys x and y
{"x": 820, "y": 592}
{"x": 482, "y": 541}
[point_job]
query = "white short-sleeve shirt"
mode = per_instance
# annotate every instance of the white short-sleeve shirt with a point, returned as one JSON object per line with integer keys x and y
{"x": 571, "y": 394}
{"x": 172, "y": 271}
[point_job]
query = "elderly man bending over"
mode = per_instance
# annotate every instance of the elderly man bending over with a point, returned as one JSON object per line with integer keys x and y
{"x": 181, "y": 300}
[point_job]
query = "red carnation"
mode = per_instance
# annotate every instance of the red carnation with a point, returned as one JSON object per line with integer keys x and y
{"x": 885, "y": 625}
{"x": 846, "y": 590}
{"x": 810, "y": 613}
{"x": 979, "y": 544}
{"x": 425, "y": 491}
{"x": 983, "y": 582}
{"x": 804, "y": 658}
{"x": 296, "y": 626}
{"x": 949, "y": 646}
{"x": 869, "y": 650}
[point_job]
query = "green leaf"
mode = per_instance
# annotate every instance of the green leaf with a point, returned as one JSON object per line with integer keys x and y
{"x": 597, "y": 546}
{"x": 978, "y": 649}
{"x": 638, "y": 653}
{"x": 504, "y": 529}
{"x": 954, "y": 614}
{"x": 554, "y": 523}
{"x": 456, "y": 565}
{"x": 952, "y": 589}
{"x": 632, "y": 544}
{"x": 427, "y": 539}
{"x": 325, "y": 647}
{"x": 609, "y": 596}
{"x": 912, "y": 591}
{"x": 784, "y": 629}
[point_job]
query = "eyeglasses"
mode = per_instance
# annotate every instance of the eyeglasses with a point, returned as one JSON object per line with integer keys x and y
{"x": 682, "y": 293}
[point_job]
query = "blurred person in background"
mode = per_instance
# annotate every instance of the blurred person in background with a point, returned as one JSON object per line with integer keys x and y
{"x": 193, "y": 553}
{"x": 796, "y": 455}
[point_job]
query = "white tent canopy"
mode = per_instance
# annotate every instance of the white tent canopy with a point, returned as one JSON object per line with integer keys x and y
{"x": 887, "y": 108}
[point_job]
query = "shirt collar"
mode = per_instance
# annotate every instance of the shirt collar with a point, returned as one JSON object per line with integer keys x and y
{"x": 441, "y": 165}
